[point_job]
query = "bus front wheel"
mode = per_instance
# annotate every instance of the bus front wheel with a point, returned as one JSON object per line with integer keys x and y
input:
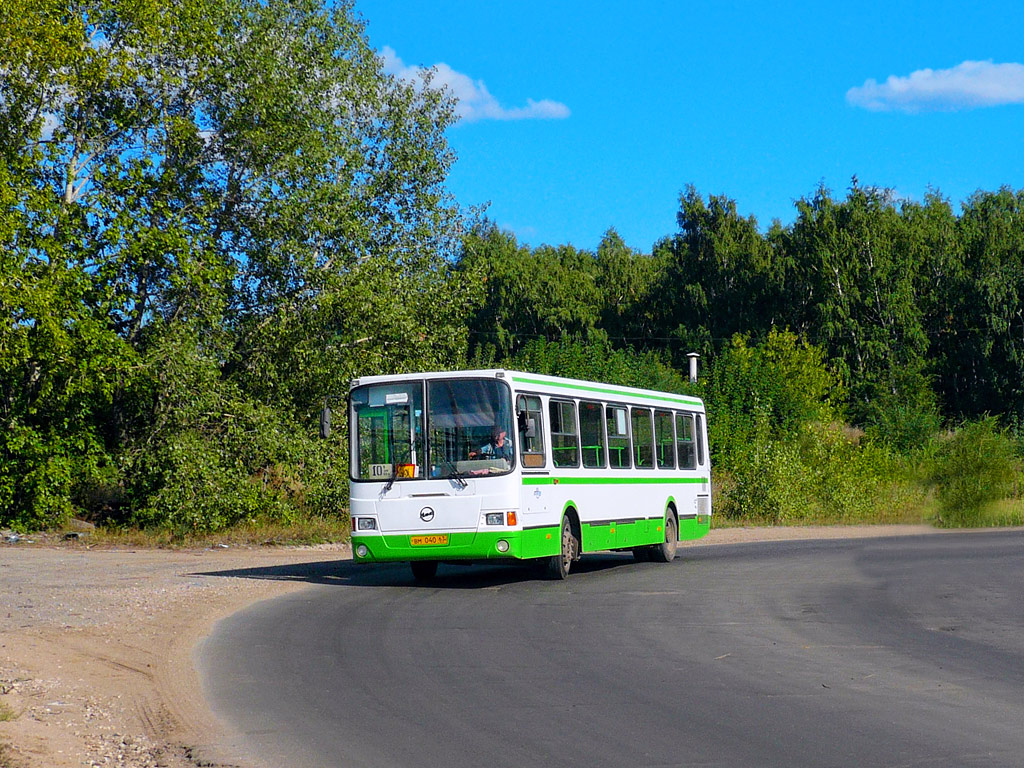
{"x": 559, "y": 565}
{"x": 666, "y": 551}
{"x": 423, "y": 570}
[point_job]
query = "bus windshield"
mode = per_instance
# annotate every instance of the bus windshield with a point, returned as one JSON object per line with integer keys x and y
{"x": 470, "y": 427}
{"x": 389, "y": 431}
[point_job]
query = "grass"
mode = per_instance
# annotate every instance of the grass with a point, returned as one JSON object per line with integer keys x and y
{"x": 6, "y": 713}
{"x": 1002, "y": 512}
{"x": 316, "y": 530}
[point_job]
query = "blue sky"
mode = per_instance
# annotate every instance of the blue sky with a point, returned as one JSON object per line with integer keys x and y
{"x": 580, "y": 116}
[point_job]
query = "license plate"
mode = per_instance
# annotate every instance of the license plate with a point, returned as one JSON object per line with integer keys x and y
{"x": 434, "y": 540}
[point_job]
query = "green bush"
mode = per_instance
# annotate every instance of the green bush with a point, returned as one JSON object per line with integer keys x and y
{"x": 976, "y": 473}
{"x": 42, "y": 472}
{"x": 823, "y": 475}
{"x": 209, "y": 456}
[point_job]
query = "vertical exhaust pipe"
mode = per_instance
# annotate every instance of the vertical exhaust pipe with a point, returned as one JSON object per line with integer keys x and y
{"x": 693, "y": 367}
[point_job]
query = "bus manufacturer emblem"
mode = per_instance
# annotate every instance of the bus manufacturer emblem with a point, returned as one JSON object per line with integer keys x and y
{"x": 426, "y": 514}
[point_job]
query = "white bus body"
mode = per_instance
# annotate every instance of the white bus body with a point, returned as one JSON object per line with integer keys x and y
{"x": 581, "y": 467}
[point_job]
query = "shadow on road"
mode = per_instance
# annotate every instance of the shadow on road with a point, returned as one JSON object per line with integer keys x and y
{"x": 475, "y": 576}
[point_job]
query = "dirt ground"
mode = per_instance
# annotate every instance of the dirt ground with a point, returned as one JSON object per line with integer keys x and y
{"x": 96, "y": 646}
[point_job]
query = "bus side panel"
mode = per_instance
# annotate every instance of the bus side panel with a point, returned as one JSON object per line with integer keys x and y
{"x": 618, "y": 515}
{"x": 631, "y": 533}
{"x": 540, "y": 520}
{"x": 540, "y": 542}
{"x": 698, "y": 522}
{"x": 691, "y": 528}
{"x": 597, "y": 536}
{"x": 644, "y": 532}
{"x": 621, "y": 516}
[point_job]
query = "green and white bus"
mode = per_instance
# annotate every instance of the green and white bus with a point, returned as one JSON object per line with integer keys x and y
{"x": 502, "y": 465}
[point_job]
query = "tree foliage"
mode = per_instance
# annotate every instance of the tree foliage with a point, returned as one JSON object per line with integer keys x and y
{"x": 213, "y": 214}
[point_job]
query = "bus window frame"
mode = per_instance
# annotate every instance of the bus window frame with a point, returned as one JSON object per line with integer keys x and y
{"x": 672, "y": 429}
{"x": 699, "y": 437}
{"x": 559, "y": 402}
{"x": 543, "y": 452}
{"x": 635, "y": 447}
{"x": 603, "y": 457}
{"x": 693, "y": 440}
{"x": 629, "y": 437}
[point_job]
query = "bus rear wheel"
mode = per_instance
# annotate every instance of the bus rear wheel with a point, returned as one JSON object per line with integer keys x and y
{"x": 666, "y": 551}
{"x": 423, "y": 570}
{"x": 559, "y": 565}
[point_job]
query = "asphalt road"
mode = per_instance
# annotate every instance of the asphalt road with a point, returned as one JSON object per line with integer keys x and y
{"x": 871, "y": 652}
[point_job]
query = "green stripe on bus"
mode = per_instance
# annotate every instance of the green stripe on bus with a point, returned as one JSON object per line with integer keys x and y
{"x": 606, "y": 390}
{"x": 612, "y": 480}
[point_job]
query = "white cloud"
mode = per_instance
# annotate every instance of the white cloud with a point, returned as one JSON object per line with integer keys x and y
{"x": 969, "y": 85}
{"x": 50, "y": 123}
{"x": 475, "y": 102}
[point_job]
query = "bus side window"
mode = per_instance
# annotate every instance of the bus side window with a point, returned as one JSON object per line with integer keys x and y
{"x": 565, "y": 444}
{"x": 684, "y": 441}
{"x": 643, "y": 439}
{"x": 700, "y": 439}
{"x": 531, "y": 430}
{"x": 618, "y": 437}
{"x": 664, "y": 440}
{"x": 592, "y": 435}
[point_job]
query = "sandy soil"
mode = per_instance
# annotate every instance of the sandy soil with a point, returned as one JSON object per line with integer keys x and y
{"x": 96, "y": 665}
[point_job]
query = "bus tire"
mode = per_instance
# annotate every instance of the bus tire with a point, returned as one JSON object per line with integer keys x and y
{"x": 560, "y": 564}
{"x": 423, "y": 570}
{"x": 666, "y": 551}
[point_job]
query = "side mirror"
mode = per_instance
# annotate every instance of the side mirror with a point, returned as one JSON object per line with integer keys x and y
{"x": 325, "y": 423}
{"x": 531, "y": 427}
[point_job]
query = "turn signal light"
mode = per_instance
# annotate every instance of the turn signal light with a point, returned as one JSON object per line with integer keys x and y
{"x": 511, "y": 518}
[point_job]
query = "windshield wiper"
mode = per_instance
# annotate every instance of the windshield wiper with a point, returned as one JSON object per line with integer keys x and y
{"x": 391, "y": 480}
{"x": 454, "y": 473}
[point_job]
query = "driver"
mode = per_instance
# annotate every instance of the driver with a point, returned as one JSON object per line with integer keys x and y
{"x": 498, "y": 447}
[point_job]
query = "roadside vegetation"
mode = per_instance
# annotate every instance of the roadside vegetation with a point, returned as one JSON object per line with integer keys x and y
{"x": 213, "y": 215}
{"x": 7, "y": 757}
{"x": 260, "y": 532}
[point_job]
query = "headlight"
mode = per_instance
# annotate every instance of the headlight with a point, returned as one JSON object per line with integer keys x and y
{"x": 502, "y": 546}
{"x": 495, "y": 518}
{"x": 366, "y": 524}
